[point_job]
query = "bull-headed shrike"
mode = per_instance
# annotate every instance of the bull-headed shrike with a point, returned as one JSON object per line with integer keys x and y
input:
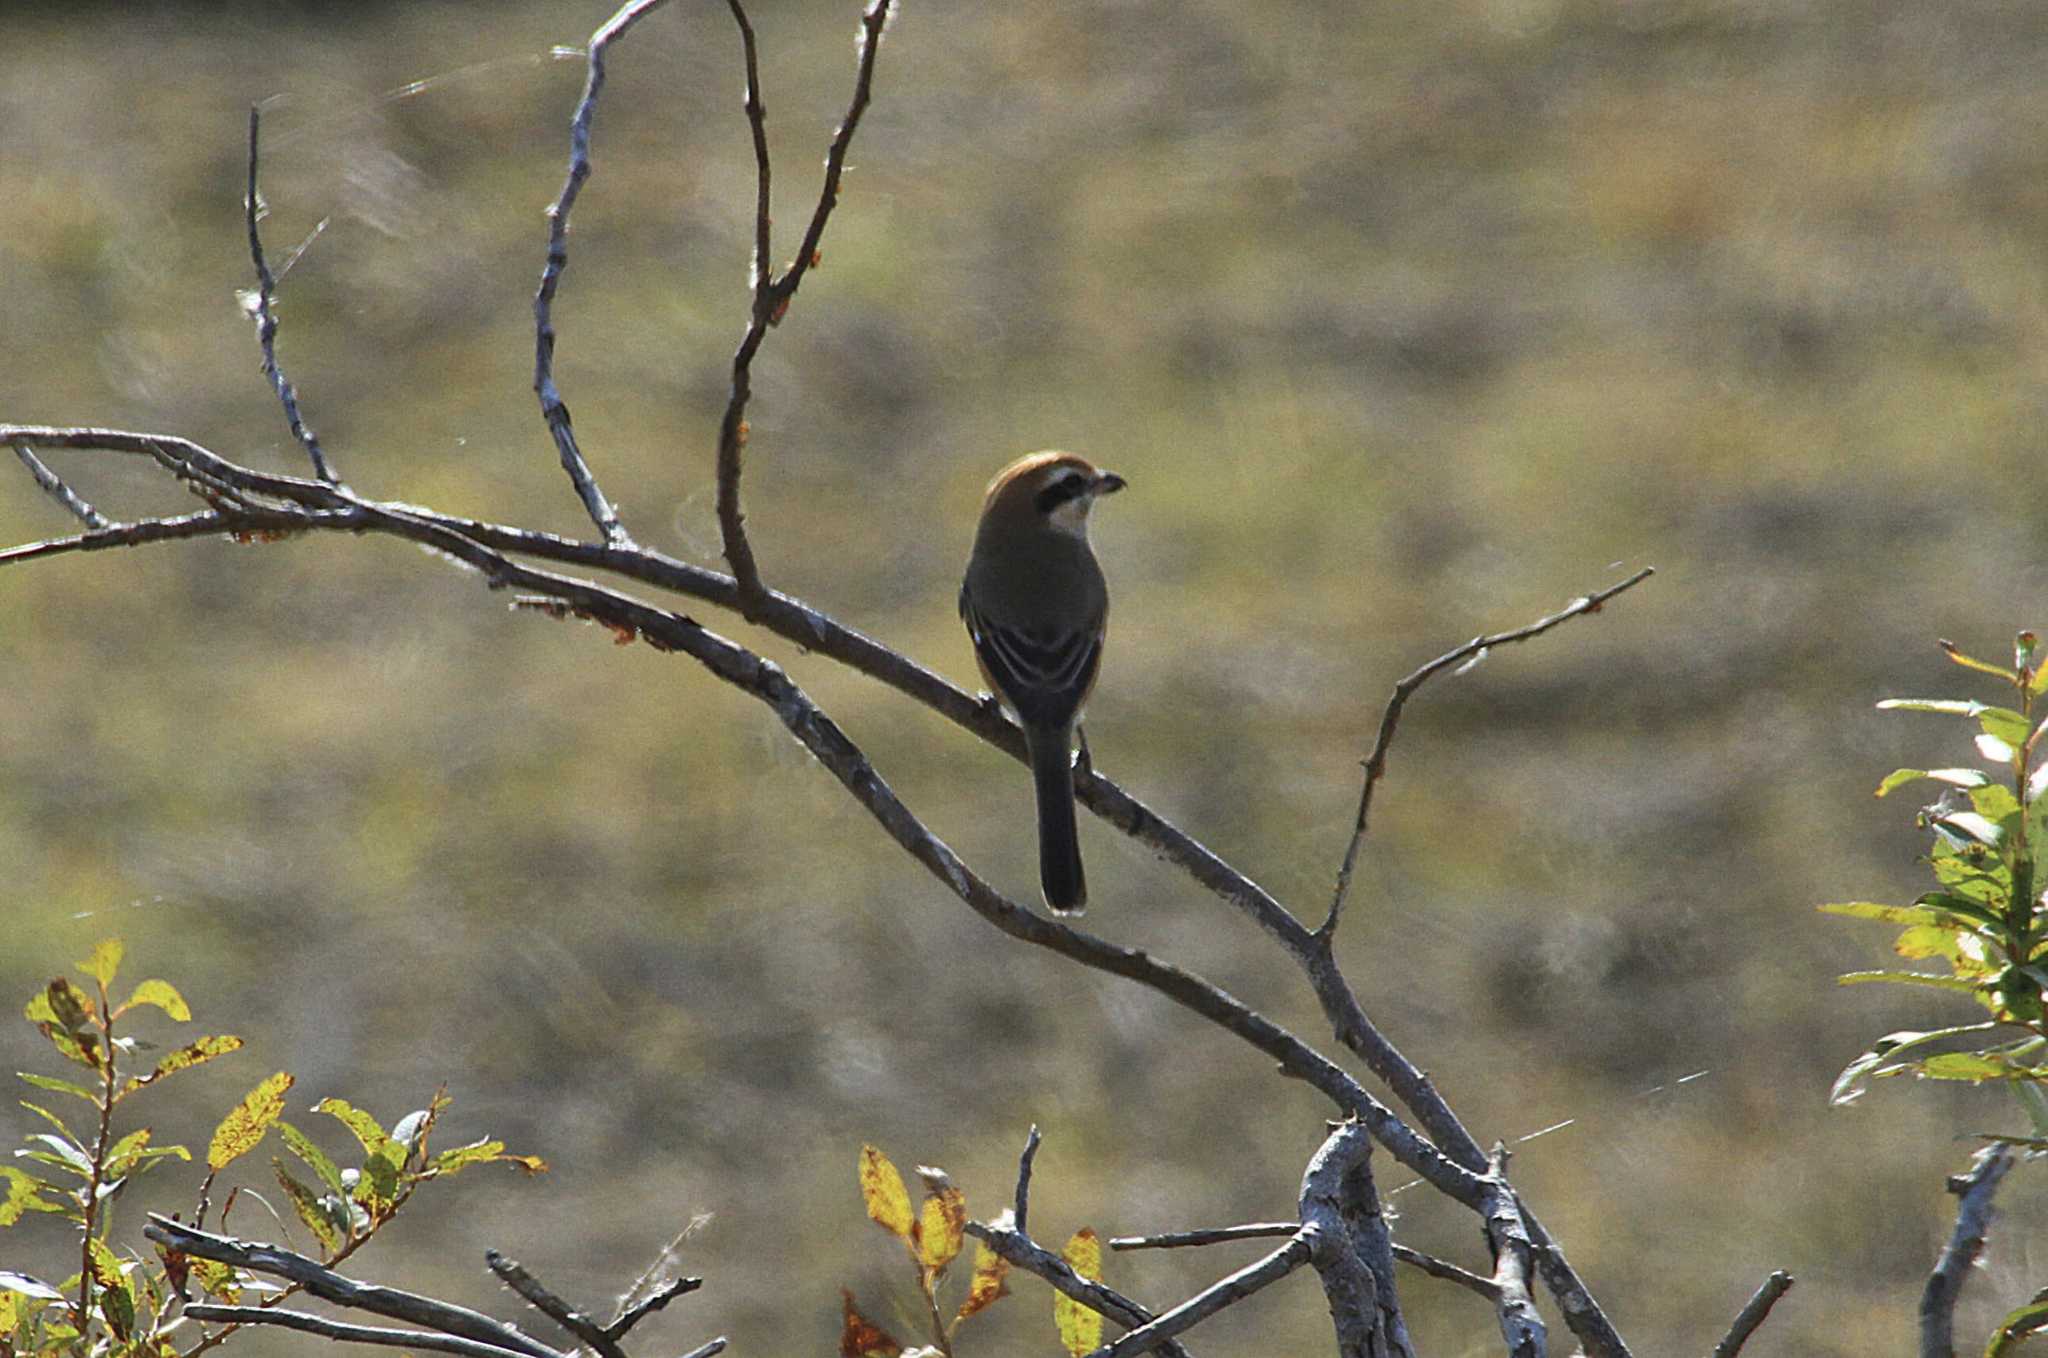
{"x": 1035, "y": 604}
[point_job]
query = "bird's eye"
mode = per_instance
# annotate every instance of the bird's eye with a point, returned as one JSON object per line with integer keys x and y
{"x": 1060, "y": 490}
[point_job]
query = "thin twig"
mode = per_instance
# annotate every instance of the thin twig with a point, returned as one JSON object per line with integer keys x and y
{"x": 648, "y": 1305}
{"x": 1215, "y": 1235}
{"x": 552, "y": 408}
{"x": 1376, "y": 762}
{"x": 54, "y": 486}
{"x": 762, "y": 269}
{"x": 1753, "y": 1313}
{"x": 1020, "y": 1213}
{"x": 773, "y": 293}
{"x": 345, "y": 1332}
{"x": 266, "y": 314}
{"x": 510, "y": 1273}
{"x": 1002, "y": 1236}
{"x": 330, "y": 1286}
{"x": 1218, "y": 1295}
{"x": 1975, "y": 1191}
{"x": 1449, "y": 1272}
{"x": 707, "y": 1349}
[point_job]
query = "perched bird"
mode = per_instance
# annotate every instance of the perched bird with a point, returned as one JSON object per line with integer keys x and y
{"x": 1035, "y": 605}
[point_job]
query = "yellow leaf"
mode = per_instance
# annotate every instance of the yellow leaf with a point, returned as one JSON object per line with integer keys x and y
{"x": 881, "y": 1188}
{"x": 104, "y": 962}
{"x": 987, "y": 1285}
{"x": 10, "y": 1311}
{"x": 1080, "y": 1327}
{"x": 242, "y": 1129}
{"x": 941, "y": 1226}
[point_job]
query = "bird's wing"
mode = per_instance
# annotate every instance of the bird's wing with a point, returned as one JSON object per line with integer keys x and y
{"x": 1045, "y": 675}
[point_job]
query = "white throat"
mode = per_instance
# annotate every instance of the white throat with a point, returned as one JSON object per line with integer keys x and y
{"x": 1071, "y": 517}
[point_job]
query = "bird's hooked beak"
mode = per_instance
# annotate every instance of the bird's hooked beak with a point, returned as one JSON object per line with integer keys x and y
{"x": 1107, "y": 483}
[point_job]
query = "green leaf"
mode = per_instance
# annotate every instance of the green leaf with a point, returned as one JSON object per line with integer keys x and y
{"x": 312, "y": 1211}
{"x": 184, "y": 1058}
{"x": 368, "y": 1131}
{"x": 51, "y": 1118}
{"x": 2003, "y": 724}
{"x": 1909, "y": 978}
{"x": 24, "y": 1195}
{"x": 1976, "y": 1067}
{"x": 1966, "y": 778}
{"x": 164, "y": 996}
{"x": 243, "y": 1128}
{"x": 116, "y": 1295}
{"x": 1927, "y": 940}
{"x": 50, "y": 1082}
{"x": 1959, "y": 707}
{"x": 301, "y": 1145}
{"x": 1994, "y": 801}
{"x": 104, "y": 962}
{"x": 461, "y": 1157}
{"x": 218, "y": 1280}
{"x": 2017, "y": 1326}
{"x": 1889, "y": 914}
{"x": 1954, "y": 903}
{"x": 1971, "y": 662}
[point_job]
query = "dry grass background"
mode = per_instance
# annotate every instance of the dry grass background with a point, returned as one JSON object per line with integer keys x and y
{"x": 1405, "y": 324}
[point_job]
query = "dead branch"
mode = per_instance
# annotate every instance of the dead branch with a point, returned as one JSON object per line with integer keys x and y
{"x": 1974, "y": 1191}
{"x": 1753, "y": 1314}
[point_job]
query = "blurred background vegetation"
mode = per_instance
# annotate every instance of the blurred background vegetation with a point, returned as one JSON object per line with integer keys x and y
{"x": 1404, "y": 324}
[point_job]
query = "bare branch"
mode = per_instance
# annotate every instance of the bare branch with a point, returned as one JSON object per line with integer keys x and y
{"x": 344, "y": 1332}
{"x": 1376, "y": 762}
{"x": 1002, "y": 1236}
{"x": 1975, "y": 1190}
{"x": 1753, "y": 1313}
{"x": 649, "y": 1304}
{"x": 707, "y": 1349}
{"x": 763, "y": 270}
{"x": 552, "y": 408}
{"x": 1225, "y": 1292}
{"x": 1449, "y": 1272}
{"x": 772, "y": 294}
{"x": 54, "y": 486}
{"x": 1508, "y": 1236}
{"x": 266, "y": 314}
{"x": 330, "y": 1286}
{"x": 1216, "y": 1235}
{"x": 509, "y": 1272}
{"x": 1020, "y": 1214}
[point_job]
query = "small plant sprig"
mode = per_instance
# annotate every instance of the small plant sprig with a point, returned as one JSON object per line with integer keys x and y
{"x": 934, "y": 1234}
{"x": 1985, "y": 919}
{"x": 119, "y": 1305}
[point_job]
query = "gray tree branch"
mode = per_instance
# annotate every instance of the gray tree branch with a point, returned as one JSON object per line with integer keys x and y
{"x": 1974, "y": 1191}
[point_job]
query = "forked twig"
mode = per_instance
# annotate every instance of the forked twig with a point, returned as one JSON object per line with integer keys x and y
{"x": 773, "y": 292}
{"x": 1376, "y": 762}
